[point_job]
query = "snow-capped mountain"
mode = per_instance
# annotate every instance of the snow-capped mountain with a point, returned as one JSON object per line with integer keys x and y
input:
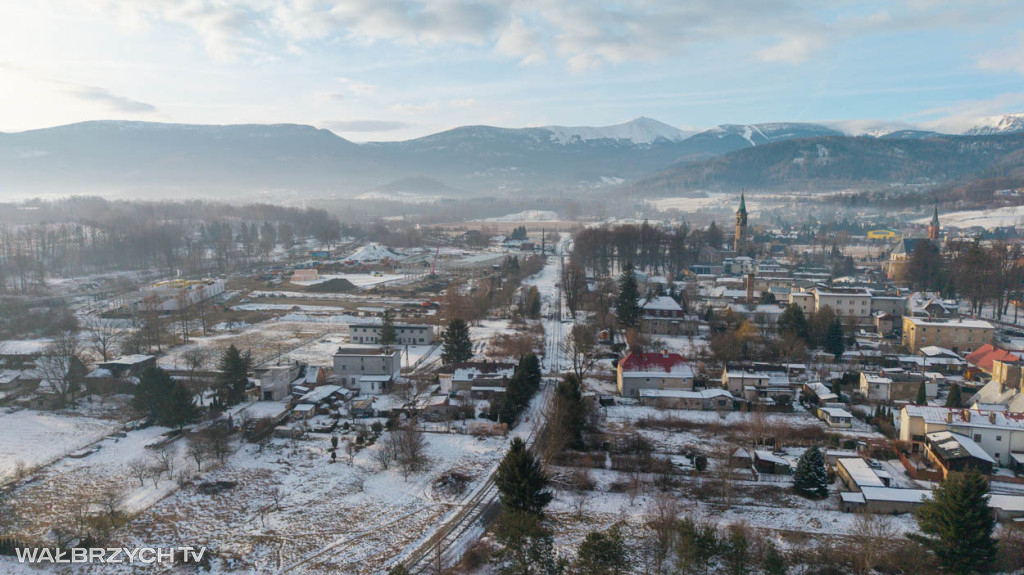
{"x": 1005, "y": 124}
{"x": 639, "y": 131}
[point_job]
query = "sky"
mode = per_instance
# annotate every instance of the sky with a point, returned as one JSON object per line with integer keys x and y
{"x": 398, "y": 69}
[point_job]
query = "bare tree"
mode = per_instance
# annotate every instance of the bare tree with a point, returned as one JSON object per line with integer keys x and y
{"x": 412, "y": 447}
{"x": 61, "y": 365}
{"x": 139, "y": 469}
{"x": 195, "y": 358}
{"x": 198, "y": 451}
{"x": 104, "y": 336}
{"x": 662, "y": 514}
{"x": 163, "y": 459}
{"x": 580, "y": 349}
{"x": 387, "y": 451}
{"x": 112, "y": 499}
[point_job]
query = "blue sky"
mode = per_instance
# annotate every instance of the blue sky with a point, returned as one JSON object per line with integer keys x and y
{"x": 395, "y": 69}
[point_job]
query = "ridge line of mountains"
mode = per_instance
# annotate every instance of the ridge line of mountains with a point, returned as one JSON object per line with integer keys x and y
{"x": 651, "y": 158}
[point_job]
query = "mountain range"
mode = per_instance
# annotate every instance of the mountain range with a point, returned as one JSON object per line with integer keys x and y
{"x": 157, "y": 159}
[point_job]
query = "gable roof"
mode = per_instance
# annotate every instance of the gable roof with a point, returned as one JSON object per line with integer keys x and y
{"x": 955, "y": 446}
{"x": 672, "y": 363}
{"x": 986, "y": 355}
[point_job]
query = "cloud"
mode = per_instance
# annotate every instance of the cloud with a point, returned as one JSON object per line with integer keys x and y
{"x": 967, "y": 114}
{"x": 582, "y": 34}
{"x": 1005, "y": 60}
{"x": 792, "y": 50}
{"x": 112, "y": 101}
{"x": 364, "y": 125}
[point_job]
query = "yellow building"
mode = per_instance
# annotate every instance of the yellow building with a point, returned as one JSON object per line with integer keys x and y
{"x": 960, "y": 335}
{"x": 882, "y": 235}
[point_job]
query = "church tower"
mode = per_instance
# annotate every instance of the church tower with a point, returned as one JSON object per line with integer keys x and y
{"x": 740, "y": 243}
{"x": 933, "y": 227}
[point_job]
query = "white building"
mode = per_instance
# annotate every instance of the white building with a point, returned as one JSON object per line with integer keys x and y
{"x": 405, "y": 334}
{"x": 999, "y": 433}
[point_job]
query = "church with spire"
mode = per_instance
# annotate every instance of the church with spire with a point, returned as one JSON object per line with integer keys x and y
{"x": 933, "y": 227}
{"x": 741, "y": 243}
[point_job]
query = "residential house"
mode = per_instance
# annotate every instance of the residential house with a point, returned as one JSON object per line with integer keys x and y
{"x": 405, "y": 334}
{"x": 704, "y": 399}
{"x": 128, "y": 365}
{"x": 470, "y": 374}
{"x": 999, "y": 433}
{"x": 958, "y": 334}
{"x": 955, "y": 452}
{"x": 857, "y": 474}
{"x": 759, "y": 383}
{"x": 382, "y": 367}
{"x": 275, "y": 382}
{"x": 662, "y": 315}
{"x": 817, "y": 393}
{"x": 895, "y": 384}
{"x": 981, "y": 360}
{"x": 1006, "y": 389}
{"x": 835, "y": 417}
{"x": 662, "y": 370}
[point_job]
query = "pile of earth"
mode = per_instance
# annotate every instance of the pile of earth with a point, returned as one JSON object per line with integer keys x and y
{"x": 336, "y": 285}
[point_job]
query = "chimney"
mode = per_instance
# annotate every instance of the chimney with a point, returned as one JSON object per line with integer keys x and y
{"x": 750, "y": 289}
{"x": 992, "y": 417}
{"x": 949, "y": 416}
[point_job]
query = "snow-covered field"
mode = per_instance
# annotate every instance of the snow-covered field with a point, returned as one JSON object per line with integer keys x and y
{"x": 37, "y": 438}
{"x": 1010, "y": 216}
{"x": 526, "y": 216}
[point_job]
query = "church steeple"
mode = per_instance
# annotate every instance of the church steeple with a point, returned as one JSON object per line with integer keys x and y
{"x": 740, "y": 243}
{"x": 933, "y": 227}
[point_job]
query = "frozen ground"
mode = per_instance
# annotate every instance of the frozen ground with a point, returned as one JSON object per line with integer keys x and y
{"x": 37, "y": 438}
{"x": 1010, "y": 216}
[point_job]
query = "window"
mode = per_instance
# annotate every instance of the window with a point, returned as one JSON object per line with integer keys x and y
{"x": 999, "y": 438}
{"x": 977, "y": 437}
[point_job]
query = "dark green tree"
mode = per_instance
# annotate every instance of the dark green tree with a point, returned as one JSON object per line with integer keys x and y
{"x": 602, "y": 553}
{"x": 527, "y": 546}
{"x": 954, "y": 399}
{"x": 792, "y": 320}
{"x": 810, "y": 478}
{"x": 568, "y": 414}
{"x": 736, "y": 552}
{"x": 531, "y": 303}
{"x": 521, "y": 481}
{"x": 834, "y": 338}
{"x": 627, "y": 304}
{"x": 457, "y": 345}
{"x": 150, "y": 395}
{"x": 398, "y": 570}
{"x": 922, "y": 394}
{"x": 180, "y": 408}
{"x": 957, "y": 524}
{"x": 698, "y": 545}
{"x": 388, "y": 335}
{"x": 774, "y": 561}
{"x": 233, "y": 377}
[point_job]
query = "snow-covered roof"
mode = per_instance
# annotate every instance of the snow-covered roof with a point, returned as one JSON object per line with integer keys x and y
{"x": 896, "y": 495}
{"x": 473, "y": 373}
{"x": 662, "y": 303}
{"x": 685, "y": 393}
{"x": 967, "y": 417}
{"x": 954, "y": 445}
{"x": 935, "y": 351}
{"x": 128, "y": 359}
{"x": 650, "y": 364}
{"x": 956, "y": 322}
{"x": 860, "y": 472}
{"x": 23, "y": 346}
{"x": 765, "y": 455}
{"x": 319, "y": 394}
{"x": 836, "y": 412}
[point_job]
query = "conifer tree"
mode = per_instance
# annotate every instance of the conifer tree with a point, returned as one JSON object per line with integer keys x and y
{"x": 954, "y": 399}
{"x": 810, "y": 478}
{"x": 922, "y": 394}
{"x": 457, "y": 344}
{"x": 957, "y": 524}
{"x": 521, "y": 481}
{"x": 602, "y": 553}
{"x": 627, "y": 305}
{"x": 180, "y": 408}
{"x": 774, "y": 561}
{"x": 388, "y": 336}
{"x": 792, "y": 320}
{"x": 834, "y": 338}
{"x": 233, "y": 377}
